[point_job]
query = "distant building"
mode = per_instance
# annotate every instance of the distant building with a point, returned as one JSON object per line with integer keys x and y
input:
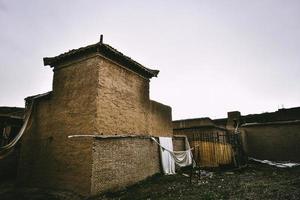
{"x": 271, "y": 135}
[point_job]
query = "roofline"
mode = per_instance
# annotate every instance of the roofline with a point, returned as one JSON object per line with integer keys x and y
{"x": 204, "y": 126}
{"x": 271, "y": 123}
{"x": 106, "y": 51}
{"x": 38, "y": 96}
{"x": 191, "y": 119}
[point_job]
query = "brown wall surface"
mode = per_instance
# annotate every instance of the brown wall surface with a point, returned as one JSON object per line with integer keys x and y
{"x": 124, "y": 107}
{"x": 273, "y": 142}
{"x": 120, "y": 162}
{"x": 93, "y": 96}
{"x": 48, "y": 157}
{"x": 160, "y": 120}
{"x": 122, "y": 101}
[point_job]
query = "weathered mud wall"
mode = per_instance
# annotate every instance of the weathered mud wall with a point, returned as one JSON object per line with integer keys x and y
{"x": 48, "y": 157}
{"x": 119, "y": 162}
{"x": 277, "y": 142}
{"x": 124, "y": 107}
{"x": 122, "y": 101}
{"x": 160, "y": 119}
{"x": 93, "y": 96}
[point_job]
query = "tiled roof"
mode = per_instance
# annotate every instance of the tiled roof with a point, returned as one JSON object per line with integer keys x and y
{"x": 285, "y": 114}
{"x": 106, "y": 51}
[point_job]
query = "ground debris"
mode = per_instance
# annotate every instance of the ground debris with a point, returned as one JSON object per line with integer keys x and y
{"x": 204, "y": 173}
{"x": 258, "y": 181}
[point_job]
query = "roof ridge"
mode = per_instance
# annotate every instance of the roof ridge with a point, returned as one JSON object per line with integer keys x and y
{"x": 107, "y": 51}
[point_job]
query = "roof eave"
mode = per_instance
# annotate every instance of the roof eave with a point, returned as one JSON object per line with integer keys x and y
{"x": 101, "y": 49}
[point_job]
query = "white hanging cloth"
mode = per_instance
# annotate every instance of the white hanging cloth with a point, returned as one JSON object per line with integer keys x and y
{"x": 167, "y": 161}
{"x": 169, "y": 157}
{"x": 184, "y": 158}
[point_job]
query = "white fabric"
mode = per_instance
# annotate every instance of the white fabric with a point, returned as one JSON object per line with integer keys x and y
{"x": 170, "y": 157}
{"x": 186, "y": 157}
{"x": 277, "y": 164}
{"x": 182, "y": 158}
{"x": 167, "y": 160}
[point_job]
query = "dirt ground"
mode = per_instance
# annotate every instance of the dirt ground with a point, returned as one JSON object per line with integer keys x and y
{"x": 257, "y": 181}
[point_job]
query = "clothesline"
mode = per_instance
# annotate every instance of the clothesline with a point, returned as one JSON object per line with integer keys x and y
{"x": 169, "y": 157}
{"x": 152, "y": 138}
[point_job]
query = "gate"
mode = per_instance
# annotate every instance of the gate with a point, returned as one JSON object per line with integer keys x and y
{"x": 215, "y": 149}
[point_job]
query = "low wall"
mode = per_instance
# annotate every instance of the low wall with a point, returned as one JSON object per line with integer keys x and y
{"x": 120, "y": 162}
{"x": 273, "y": 141}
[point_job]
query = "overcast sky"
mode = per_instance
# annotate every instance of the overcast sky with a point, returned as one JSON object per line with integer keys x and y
{"x": 214, "y": 56}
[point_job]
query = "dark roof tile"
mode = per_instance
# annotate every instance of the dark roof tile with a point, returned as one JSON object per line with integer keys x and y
{"x": 105, "y": 50}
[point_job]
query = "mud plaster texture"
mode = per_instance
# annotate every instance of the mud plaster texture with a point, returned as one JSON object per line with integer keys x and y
{"x": 121, "y": 162}
{"x": 273, "y": 142}
{"x": 92, "y": 96}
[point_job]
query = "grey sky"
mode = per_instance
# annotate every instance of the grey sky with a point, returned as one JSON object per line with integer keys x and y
{"x": 213, "y": 56}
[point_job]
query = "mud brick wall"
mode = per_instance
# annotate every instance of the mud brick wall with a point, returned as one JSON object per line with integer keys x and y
{"x": 122, "y": 101}
{"x": 123, "y": 104}
{"x": 120, "y": 162}
{"x": 277, "y": 142}
{"x": 92, "y": 96}
{"x": 160, "y": 120}
{"x": 48, "y": 157}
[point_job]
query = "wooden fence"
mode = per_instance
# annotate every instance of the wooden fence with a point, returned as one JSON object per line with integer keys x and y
{"x": 216, "y": 149}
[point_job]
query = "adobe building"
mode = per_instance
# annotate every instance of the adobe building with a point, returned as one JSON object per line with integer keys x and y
{"x": 100, "y": 98}
{"x": 189, "y": 127}
{"x": 209, "y": 141}
{"x": 272, "y": 136}
{"x": 268, "y": 136}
